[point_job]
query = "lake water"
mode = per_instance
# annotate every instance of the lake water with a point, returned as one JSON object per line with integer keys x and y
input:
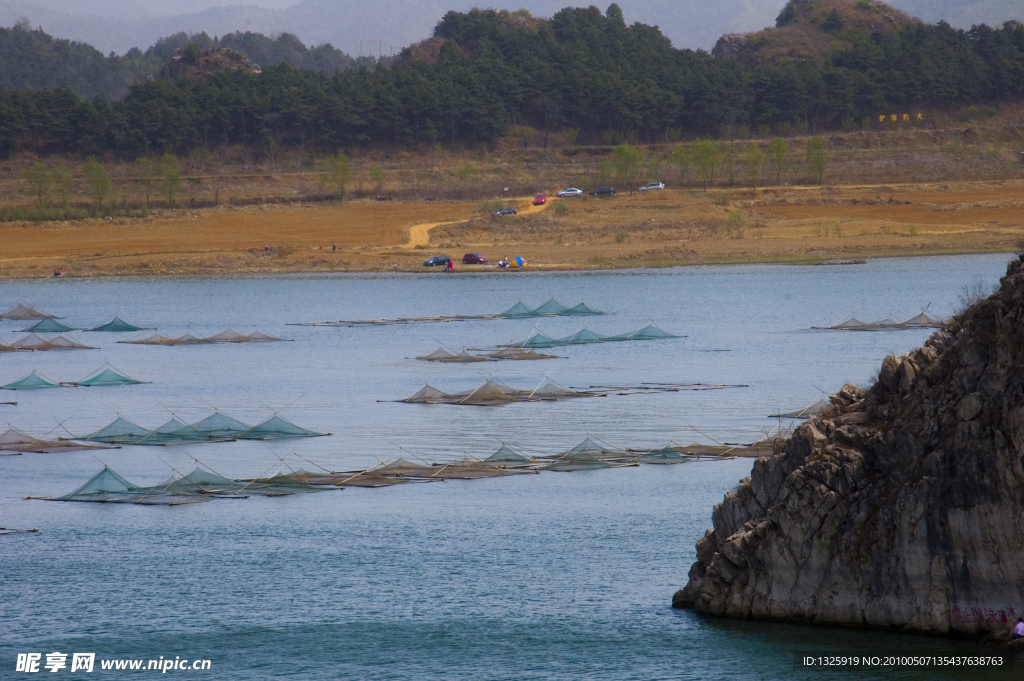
{"x": 553, "y": 576}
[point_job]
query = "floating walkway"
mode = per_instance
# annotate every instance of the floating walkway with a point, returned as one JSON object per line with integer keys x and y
{"x": 552, "y": 308}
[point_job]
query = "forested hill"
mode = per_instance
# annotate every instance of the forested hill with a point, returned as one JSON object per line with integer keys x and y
{"x": 486, "y": 71}
{"x": 32, "y": 60}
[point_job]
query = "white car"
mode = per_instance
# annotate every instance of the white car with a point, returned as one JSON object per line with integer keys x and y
{"x": 652, "y": 185}
{"x": 571, "y": 191}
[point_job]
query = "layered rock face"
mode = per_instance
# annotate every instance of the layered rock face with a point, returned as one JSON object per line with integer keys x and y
{"x": 903, "y": 509}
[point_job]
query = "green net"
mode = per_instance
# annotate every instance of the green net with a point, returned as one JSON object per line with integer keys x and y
{"x": 537, "y": 340}
{"x": 649, "y": 332}
{"x": 580, "y": 310}
{"x": 118, "y": 325}
{"x": 584, "y": 337}
{"x": 109, "y": 376}
{"x": 551, "y": 307}
{"x": 664, "y": 455}
{"x": 31, "y": 382}
{"x": 49, "y": 325}
{"x": 275, "y": 428}
{"x": 520, "y": 309}
{"x": 217, "y": 427}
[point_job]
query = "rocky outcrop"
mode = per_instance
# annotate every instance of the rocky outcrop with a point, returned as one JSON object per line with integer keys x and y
{"x": 731, "y": 46}
{"x": 195, "y": 62}
{"x": 904, "y": 509}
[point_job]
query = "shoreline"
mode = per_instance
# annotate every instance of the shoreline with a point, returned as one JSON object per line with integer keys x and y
{"x": 669, "y": 228}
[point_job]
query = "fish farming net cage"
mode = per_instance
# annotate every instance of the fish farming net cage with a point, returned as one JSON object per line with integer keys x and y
{"x": 819, "y": 408}
{"x": 105, "y": 376}
{"x": 22, "y": 311}
{"x": 493, "y": 392}
{"x": 552, "y": 308}
{"x": 920, "y": 321}
{"x": 35, "y": 342}
{"x": 445, "y": 356}
{"x": 118, "y": 325}
{"x": 190, "y": 338}
{"x": 585, "y": 336}
{"x": 217, "y": 427}
{"x": 14, "y": 441}
{"x": 196, "y": 486}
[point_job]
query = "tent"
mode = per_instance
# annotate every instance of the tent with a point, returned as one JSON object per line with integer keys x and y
{"x": 30, "y": 382}
{"x": 49, "y": 325}
{"x": 22, "y": 311}
{"x": 14, "y": 440}
{"x": 517, "y": 261}
{"x": 118, "y": 325}
{"x": 108, "y": 376}
{"x": 551, "y": 307}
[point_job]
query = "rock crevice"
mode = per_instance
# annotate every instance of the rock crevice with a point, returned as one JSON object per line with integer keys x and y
{"x": 904, "y": 508}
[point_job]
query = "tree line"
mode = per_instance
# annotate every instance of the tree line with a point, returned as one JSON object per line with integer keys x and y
{"x": 582, "y": 73}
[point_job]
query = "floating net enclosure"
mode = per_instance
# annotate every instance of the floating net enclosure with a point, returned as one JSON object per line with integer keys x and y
{"x": 260, "y": 337}
{"x": 851, "y": 323}
{"x": 580, "y": 310}
{"x": 196, "y": 486}
{"x": 519, "y": 354}
{"x": 49, "y": 325}
{"x": 920, "y": 321}
{"x": 519, "y": 310}
{"x": 444, "y": 356}
{"x": 819, "y": 408}
{"x": 22, "y": 311}
{"x": 551, "y": 307}
{"x": 37, "y": 343}
{"x": 14, "y": 440}
{"x": 507, "y": 457}
{"x": 590, "y": 454}
{"x": 217, "y": 427}
{"x": 225, "y": 336}
{"x": 118, "y": 325}
{"x": 109, "y": 376}
{"x": 277, "y": 427}
{"x": 664, "y": 455}
{"x": 585, "y": 336}
{"x": 31, "y": 382}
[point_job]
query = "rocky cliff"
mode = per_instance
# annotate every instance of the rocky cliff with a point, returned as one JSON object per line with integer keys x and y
{"x": 904, "y": 508}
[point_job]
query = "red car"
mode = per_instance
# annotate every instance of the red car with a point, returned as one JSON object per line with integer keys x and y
{"x": 540, "y": 199}
{"x": 473, "y": 259}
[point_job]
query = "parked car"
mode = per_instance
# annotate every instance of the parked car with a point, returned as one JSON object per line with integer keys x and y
{"x": 436, "y": 261}
{"x": 473, "y": 259}
{"x": 571, "y": 191}
{"x": 602, "y": 191}
{"x": 652, "y": 185}
{"x": 540, "y": 199}
{"x": 505, "y": 211}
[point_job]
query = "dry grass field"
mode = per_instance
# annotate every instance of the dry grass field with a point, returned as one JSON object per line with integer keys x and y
{"x": 662, "y": 228}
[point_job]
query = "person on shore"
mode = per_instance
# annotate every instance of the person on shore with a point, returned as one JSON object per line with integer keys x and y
{"x": 334, "y": 247}
{"x": 450, "y": 267}
{"x": 1018, "y": 629}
